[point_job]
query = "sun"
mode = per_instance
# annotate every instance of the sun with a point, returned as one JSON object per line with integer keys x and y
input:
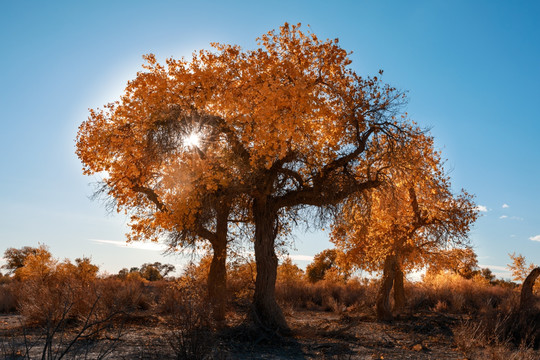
{"x": 192, "y": 140}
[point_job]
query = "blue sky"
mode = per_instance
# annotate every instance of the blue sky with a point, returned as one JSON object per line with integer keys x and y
{"x": 472, "y": 70}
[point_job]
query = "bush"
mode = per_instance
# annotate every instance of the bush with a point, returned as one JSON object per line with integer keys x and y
{"x": 500, "y": 334}
{"x": 8, "y": 299}
{"x": 453, "y": 293}
{"x": 190, "y": 320}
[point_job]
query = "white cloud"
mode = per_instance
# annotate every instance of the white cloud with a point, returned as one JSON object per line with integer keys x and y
{"x": 535, "y": 238}
{"x": 494, "y": 267}
{"x": 503, "y": 217}
{"x": 133, "y": 245}
{"x": 505, "y": 206}
{"x": 499, "y": 271}
{"x": 301, "y": 257}
{"x": 482, "y": 208}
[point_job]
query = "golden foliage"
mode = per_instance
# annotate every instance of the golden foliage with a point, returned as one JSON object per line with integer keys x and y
{"x": 292, "y": 100}
{"x": 519, "y": 267}
{"x": 414, "y": 215}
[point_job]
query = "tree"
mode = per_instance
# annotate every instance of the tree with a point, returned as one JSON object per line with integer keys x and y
{"x": 289, "y": 273}
{"x": 15, "y": 258}
{"x": 519, "y": 267}
{"x": 39, "y": 265}
{"x": 404, "y": 223}
{"x": 156, "y": 271}
{"x": 83, "y": 270}
{"x": 158, "y": 168}
{"x": 461, "y": 261}
{"x": 252, "y": 137}
{"x": 322, "y": 262}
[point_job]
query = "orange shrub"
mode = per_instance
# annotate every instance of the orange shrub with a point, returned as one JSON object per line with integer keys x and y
{"x": 453, "y": 293}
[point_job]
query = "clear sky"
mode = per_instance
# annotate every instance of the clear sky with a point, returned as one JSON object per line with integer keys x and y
{"x": 472, "y": 69}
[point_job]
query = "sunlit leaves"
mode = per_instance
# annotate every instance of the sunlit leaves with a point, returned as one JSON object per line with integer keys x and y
{"x": 220, "y": 121}
{"x": 413, "y": 215}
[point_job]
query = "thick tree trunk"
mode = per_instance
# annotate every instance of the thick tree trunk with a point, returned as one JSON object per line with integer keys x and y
{"x": 399, "y": 291}
{"x": 267, "y": 313}
{"x": 217, "y": 281}
{"x": 383, "y": 309}
{"x": 217, "y": 276}
{"x": 527, "y": 299}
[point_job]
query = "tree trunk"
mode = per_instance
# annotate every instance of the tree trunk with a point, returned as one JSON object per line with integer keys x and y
{"x": 527, "y": 299}
{"x": 399, "y": 291}
{"x": 217, "y": 281}
{"x": 267, "y": 313}
{"x": 217, "y": 276}
{"x": 383, "y": 309}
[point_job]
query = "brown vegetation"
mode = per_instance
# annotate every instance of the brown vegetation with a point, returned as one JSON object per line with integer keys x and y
{"x": 67, "y": 311}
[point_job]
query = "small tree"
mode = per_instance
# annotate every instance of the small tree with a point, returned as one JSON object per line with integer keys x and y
{"x": 155, "y": 271}
{"x": 519, "y": 268}
{"x": 38, "y": 265}
{"x": 289, "y": 273}
{"x": 404, "y": 223}
{"x": 15, "y": 258}
{"x": 461, "y": 261}
{"x": 322, "y": 263}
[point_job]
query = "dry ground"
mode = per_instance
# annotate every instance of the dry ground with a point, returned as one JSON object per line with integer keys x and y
{"x": 317, "y": 335}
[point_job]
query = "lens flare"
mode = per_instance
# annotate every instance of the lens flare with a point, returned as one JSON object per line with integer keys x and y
{"x": 192, "y": 140}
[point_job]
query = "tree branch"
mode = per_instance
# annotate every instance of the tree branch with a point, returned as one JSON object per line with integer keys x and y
{"x": 151, "y": 195}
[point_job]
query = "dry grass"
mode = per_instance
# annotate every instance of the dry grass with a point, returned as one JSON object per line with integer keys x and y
{"x": 497, "y": 337}
{"x": 455, "y": 294}
{"x": 493, "y": 330}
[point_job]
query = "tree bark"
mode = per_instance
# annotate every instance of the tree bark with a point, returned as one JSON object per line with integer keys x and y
{"x": 383, "y": 309}
{"x": 267, "y": 313}
{"x": 527, "y": 299}
{"x": 217, "y": 281}
{"x": 399, "y": 291}
{"x": 217, "y": 276}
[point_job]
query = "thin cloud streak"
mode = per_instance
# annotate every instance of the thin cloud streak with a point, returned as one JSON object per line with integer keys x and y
{"x": 132, "y": 245}
{"x": 301, "y": 257}
{"x": 495, "y": 267}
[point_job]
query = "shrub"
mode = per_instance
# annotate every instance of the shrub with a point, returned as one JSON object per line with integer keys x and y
{"x": 190, "y": 321}
{"x": 8, "y": 299}
{"x": 453, "y": 293}
{"x": 500, "y": 334}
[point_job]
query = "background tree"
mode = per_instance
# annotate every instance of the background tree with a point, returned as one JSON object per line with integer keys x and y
{"x": 461, "y": 261}
{"x": 519, "y": 268}
{"x": 404, "y": 223}
{"x": 322, "y": 263}
{"x": 15, "y": 258}
{"x": 156, "y": 271}
{"x": 261, "y": 134}
{"x": 289, "y": 273}
{"x": 83, "y": 270}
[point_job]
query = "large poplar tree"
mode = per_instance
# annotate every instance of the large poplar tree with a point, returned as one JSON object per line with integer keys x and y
{"x": 268, "y": 131}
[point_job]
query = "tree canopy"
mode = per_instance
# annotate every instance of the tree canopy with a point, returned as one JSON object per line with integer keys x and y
{"x": 414, "y": 214}
{"x": 406, "y": 222}
{"x": 260, "y": 133}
